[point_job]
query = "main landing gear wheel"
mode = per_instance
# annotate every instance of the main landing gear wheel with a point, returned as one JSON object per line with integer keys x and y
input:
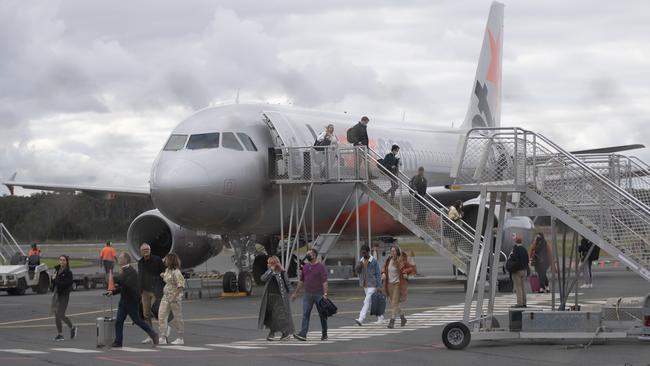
{"x": 229, "y": 282}
{"x": 245, "y": 282}
{"x": 456, "y": 336}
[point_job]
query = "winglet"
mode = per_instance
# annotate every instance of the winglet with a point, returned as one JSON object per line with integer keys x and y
{"x": 9, "y": 186}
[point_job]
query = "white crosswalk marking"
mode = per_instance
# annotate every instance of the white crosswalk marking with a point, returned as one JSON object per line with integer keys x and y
{"x": 21, "y": 351}
{"x": 133, "y": 349}
{"x": 75, "y": 350}
{"x": 184, "y": 348}
{"x": 233, "y": 346}
{"x": 426, "y": 319}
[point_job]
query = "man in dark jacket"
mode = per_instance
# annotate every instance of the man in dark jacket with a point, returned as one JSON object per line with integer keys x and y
{"x": 391, "y": 164}
{"x": 127, "y": 287}
{"x": 419, "y": 184}
{"x": 149, "y": 269}
{"x": 359, "y": 132}
{"x": 519, "y": 270}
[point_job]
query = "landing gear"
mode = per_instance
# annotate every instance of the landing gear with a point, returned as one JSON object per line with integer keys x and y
{"x": 245, "y": 282}
{"x": 249, "y": 265}
{"x": 229, "y": 282}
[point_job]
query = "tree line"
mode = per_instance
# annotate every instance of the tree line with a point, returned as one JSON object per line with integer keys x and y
{"x": 68, "y": 217}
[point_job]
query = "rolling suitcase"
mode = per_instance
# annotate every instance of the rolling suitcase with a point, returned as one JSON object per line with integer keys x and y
{"x": 377, "y": 304}
{"x": 534, "y": 283}
{"x": 105, "y": 328}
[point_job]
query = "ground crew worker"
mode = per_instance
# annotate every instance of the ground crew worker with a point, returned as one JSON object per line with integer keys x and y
{"x": 34, "y": 250}
{"x": 107, "y": 258}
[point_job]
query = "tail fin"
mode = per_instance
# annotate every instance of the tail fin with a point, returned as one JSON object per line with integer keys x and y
{"x": 485, "y": 100}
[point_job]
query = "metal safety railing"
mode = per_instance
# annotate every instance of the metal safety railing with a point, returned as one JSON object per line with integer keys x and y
{"x": 561, "y": 183}
{"x": 8, "y": 245}
{"x": 423, "y": 215}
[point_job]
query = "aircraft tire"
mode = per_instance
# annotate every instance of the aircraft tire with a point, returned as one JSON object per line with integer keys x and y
{"x": 245, "y": 282}
{"x": 456, "y": 336}
{"x": 229, "y": 282}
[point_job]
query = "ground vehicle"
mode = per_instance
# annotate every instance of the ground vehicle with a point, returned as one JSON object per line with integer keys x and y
{"x": 17, "y": 277}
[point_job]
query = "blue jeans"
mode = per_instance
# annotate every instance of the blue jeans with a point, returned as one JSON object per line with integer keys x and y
{"x": 308, "y": 302}
{"x": 132, "y": 310}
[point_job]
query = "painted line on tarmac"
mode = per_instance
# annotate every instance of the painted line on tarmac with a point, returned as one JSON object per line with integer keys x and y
{"x": 184, "y": 348}
{"x": 21, "y": 351}
{"x": 234, "y": 346}
{"x": 49, "y": 318}
{"x": 126, "y": 362}
{"x": 75, "y": 350}
{"x": 133, "y": 349}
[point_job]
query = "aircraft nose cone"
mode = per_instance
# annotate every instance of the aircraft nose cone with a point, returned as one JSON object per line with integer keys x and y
{"x": 178, "y": 187}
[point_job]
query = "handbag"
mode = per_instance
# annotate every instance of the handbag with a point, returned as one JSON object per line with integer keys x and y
{"x": 326, "y": 307}
{"x": 378, "y": 304}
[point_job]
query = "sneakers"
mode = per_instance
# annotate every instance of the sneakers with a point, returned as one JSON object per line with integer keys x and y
{"x": 284, "y": 337}
{"x": 391, "y": 324}
{"x": 271, "y": 336}
{"x": 162, "y": 340}
{"x": 380, "y": 320}
{"x": 591, "y": 285}
{"x": 178, "y": 342}
{"x": 146, "y": 340}
{"x": 59, "y": 338}
{"x": 323, "y": 338}
{"x": 359, "y": 323}
{"x": 299, "y": 337}
{"x": 73, "y": 332}
{"x": 586, "y": 285}
{"x": 402, "y": 319}
{"x": 116, "y": 345}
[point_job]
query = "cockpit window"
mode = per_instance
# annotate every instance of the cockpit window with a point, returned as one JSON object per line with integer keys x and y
{"x": 203, "y": 141}
{"x": 247, "y": 141}
{"x": 175, "y": 142}
{"x": 231, "y": 142}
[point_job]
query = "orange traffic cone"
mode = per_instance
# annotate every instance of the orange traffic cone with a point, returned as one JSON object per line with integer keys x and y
{"x": 111, "y": 283}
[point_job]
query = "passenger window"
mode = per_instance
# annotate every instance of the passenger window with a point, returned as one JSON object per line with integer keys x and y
{"x": 203, "y": 141}
{"x": 175, "y": 142}
{"x": 231, "y": 142}
{"x": 247, "y": 141}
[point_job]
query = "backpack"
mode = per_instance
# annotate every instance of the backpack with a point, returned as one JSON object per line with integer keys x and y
{"x": 595, "y": 253}
{"x": 352, "y": 136}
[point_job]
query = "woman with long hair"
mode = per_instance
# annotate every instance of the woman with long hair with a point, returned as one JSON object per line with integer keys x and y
{"x": 395, "y": 274}
{"x": 275, "y": 312}
{"x": 62, "y": 285}
{"x": 541, "y": 257}
{"x": 172, "y": 299}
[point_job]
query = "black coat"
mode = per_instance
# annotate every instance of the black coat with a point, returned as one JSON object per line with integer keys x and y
{"x": 520, "y": 255}
{"x": 149, "y": 275}
{"x": 127, "y": 286}
{"x": 419, "y": 184}
{"x": 391, "y": 162}
{"x": 62, "y": 282}
{"x": 360, "y": 131}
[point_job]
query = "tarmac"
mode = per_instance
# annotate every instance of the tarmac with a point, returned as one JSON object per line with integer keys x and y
{"x": 223, "y": 330}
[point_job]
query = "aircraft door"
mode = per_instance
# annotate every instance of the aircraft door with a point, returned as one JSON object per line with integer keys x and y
{"x": 284, "y": 135}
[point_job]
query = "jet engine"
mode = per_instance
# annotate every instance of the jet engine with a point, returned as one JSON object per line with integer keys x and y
{"x": 164, "y": 237}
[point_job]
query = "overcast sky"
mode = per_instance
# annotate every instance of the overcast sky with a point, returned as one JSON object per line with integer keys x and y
{"x": 90, "y": 90}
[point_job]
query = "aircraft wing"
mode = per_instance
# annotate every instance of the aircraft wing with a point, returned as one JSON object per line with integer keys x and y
{"x": 609, "y": 150}
{"x": 106, "y": 192}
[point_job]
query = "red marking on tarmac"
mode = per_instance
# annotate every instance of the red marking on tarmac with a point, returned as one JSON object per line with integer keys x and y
{"x": 16, "y": 358}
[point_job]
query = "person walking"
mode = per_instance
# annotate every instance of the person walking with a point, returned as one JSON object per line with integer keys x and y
{"x": 150, "y": 267}
{"x": 395, "y": 275}
{"x": 518, "y": 268}
{"x": 357, "y": 135}
{"x": 541, "y": 257}
{"x": 314, "y": 278}
{"x": 583, "y": 250}
{"x": 61, "y": 286}
{"x": 172, "y": 299}
{"x": 369, "y": 280}
{"x": 275, "y": 310}
{"x": 391, "y": 164}
{"x": 107, "y": 258}
{"x": 127, "y": 287}
{"x": 419, "y": 184}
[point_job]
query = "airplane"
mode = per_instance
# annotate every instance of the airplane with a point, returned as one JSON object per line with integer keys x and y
{"x": 210, "y": 182}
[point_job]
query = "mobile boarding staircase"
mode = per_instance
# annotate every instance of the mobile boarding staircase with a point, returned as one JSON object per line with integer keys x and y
{"x": 601, "y": 197}
{"x": 424, "y": 215}
{"x": 9, "y": 248}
